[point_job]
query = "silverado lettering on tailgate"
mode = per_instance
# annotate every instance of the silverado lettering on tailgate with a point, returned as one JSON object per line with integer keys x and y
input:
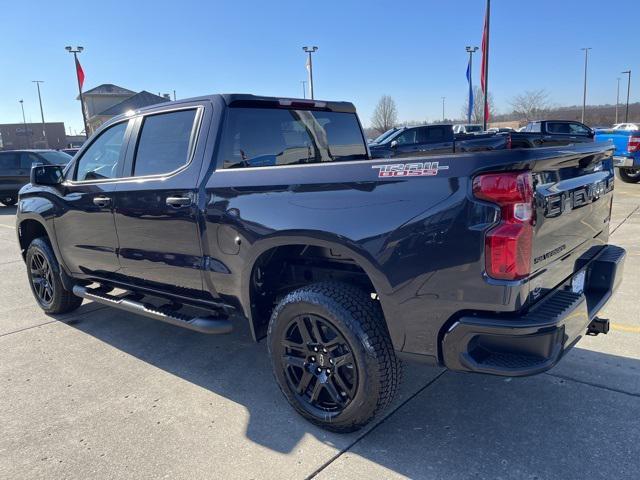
{"x": 418, "y": 169}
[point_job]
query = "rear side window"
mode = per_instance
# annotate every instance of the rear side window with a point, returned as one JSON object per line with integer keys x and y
{"x": 260, "y": 137}
{"x": 9, "y": 161}
{"x": 432, "y": 134}
{"x": 558, "y": 128}
{"x": 164, "y": 142}
{"x": 534, "y": 127}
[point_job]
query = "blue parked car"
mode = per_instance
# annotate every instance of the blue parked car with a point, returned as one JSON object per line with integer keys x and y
{"x": 626, "y": 157}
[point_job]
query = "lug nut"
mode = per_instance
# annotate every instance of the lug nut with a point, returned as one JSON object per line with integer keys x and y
{"x": 319, "y": 370}
{"x": 331, "y": 361}
{"x": 324, "y": 350}
{"x": 328, "y": 370}
{"x": 344, "y": 394}
{"x": 313, "y": 359}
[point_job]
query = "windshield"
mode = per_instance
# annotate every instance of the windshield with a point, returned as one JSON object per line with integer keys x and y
{"x": 262, "y": 137}
{"x": 56, "y": 158}
{"x": 384, "y": 136}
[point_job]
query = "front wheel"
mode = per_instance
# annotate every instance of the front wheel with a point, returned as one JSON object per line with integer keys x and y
{"x": 44, "y": 279}
{"x": 629, "y": 175}
{"x": 332, "y": 355}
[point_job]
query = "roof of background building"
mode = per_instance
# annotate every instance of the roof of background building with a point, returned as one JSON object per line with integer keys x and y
{"x": 108, "y": 89}
{"x": 139, "y": 100}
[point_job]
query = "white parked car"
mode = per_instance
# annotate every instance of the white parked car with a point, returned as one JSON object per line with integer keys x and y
{"x": 626, "y": 126}
{"x": 467, "y": 128}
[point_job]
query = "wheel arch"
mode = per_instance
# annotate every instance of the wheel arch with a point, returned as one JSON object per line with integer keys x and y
{"x": 359, "y": 259}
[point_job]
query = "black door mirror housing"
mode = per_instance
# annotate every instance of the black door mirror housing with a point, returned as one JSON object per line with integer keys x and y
{"x": 46, "y": 175}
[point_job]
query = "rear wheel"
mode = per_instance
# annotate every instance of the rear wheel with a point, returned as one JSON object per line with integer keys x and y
{"x": 8, "y": 201}
{"x": 629, "y": 175}
{"x": 332, "y": 356}
{"x": 44, "y": 279}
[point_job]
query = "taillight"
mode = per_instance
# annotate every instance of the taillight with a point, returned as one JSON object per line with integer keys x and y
{"x": 634, "y": 144}
{"x": 508, "y": 246}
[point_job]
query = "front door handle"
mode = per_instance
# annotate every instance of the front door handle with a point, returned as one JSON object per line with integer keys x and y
{"x": 178, "y": 202}
{"x": 101, "y": 201}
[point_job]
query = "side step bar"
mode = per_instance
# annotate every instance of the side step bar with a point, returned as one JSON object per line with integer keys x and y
{"x": 208, "y": 324}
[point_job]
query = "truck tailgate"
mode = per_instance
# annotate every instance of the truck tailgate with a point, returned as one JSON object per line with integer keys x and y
{"x": 573, "y": 196}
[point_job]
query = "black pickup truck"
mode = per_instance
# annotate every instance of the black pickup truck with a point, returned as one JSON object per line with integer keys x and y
{"x": 550, "y": 133}
{"x": 433, "y": 140}
{"x": 229, "y": 210}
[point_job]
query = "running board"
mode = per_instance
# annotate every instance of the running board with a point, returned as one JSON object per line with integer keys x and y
{"x": 208, "y": 324}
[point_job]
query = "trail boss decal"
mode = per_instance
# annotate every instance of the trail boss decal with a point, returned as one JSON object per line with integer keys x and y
{"x": 420, "y": 169}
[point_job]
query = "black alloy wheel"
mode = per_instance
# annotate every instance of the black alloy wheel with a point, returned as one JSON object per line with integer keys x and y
{"x": 319, "y": 364}
{"x": 42, "y": 278}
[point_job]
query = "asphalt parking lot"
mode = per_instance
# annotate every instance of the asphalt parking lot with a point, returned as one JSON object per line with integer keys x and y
{"x": 106, "y": 394}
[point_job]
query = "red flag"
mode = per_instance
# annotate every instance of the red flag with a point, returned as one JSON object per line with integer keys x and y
{"x": 80, "y": 73}
{"x": 485, "y": 60}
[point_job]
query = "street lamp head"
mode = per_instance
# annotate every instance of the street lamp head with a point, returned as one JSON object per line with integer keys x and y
{"x": 74, "y": 50}
{"x": 67, "y": 48}
{"x": 471, "y": 49}
{"x": 20, "y": 101}
{"x": 310, "y": 49}
{"x": 626, "y": 72}
{"x": 80, "y": 49}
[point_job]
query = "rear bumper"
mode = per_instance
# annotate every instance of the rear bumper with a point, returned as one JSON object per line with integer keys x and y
{"x": 537, "y": 340}
{"x": 626, "y": 162}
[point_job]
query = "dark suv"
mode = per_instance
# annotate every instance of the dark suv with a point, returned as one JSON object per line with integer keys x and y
{"x": 15, "y": 167}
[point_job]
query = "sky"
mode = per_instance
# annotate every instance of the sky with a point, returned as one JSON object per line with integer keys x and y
{"x": 411, "y": 50}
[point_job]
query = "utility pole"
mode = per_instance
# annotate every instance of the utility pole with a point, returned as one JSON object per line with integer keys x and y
{"x": 617, "y": 98}
{"x": 626, "y": 112}
{"x": 443, "y": 108}
{"x": 584, "y": 92}
{"x": 309, "y": 51}
{"x": 304, "y": 88}
{"x": 485, "y": 56}
{"x": 24, "y": 122}
{"x": 174, "y": 95}
{"x": 471, "y": 51}
{"x": 44, "y": 133}
{"x": 75, "y": 52}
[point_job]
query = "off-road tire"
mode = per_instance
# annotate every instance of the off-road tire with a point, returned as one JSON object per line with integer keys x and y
{"x": 62, "y": 300}
{"x": 360, "y": 321}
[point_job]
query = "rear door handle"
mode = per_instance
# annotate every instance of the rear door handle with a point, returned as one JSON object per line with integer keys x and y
{"x": 178, "y": 202}
{"x": 101, "y": 201}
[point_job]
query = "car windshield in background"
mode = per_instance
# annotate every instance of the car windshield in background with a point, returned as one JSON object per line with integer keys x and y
{"x": 384, "y": 136}
{"x": 473, "y": 128}
{"x": 262, "y": 137}
{"x": 56, "y": 158}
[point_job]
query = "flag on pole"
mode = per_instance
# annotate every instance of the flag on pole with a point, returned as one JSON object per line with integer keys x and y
{"x": 485, "y": 62}
{"x": 469, "y": 113}
{"x": 80, "y": 73}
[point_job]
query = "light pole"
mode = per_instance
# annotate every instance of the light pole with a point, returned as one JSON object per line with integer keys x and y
{"x": 24, "y": 123}
{"x": 584, "y": 92}
{"x": 471, "y": 51}
{"x": 626, "y": 112}
{"x": 309, "y": 51}
{"x": 304, "y": 88}
{"x": 443, "y": 108}
{"x": 75, "y": 52}
{"x": 617, "y": 98}
{"x": 44, "y": 133}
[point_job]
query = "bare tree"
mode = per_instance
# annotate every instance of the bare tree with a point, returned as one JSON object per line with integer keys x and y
{"x": 531, "y": 105}
{"x": 385, "y": 116}
{"x": 477, "y": 113}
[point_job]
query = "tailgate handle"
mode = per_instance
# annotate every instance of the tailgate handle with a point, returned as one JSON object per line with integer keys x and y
{"x": 178, "y": 202}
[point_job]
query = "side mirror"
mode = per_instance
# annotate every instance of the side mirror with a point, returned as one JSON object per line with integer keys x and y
{"x": 46, "y": 175}
{"x": 394, "y": 144}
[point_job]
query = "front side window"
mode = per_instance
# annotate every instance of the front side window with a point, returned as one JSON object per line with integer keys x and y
{"x": 408, "y": 137}
{"x": 260, "y": 137}
{"x": 100, "y": 161}
{"x": 534, "y": 127}
{"x": 164, "y": 143}
{"x": 27, "y": 160}
{"x": 578, "y": 129}
{"x": 559, "y": 128}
